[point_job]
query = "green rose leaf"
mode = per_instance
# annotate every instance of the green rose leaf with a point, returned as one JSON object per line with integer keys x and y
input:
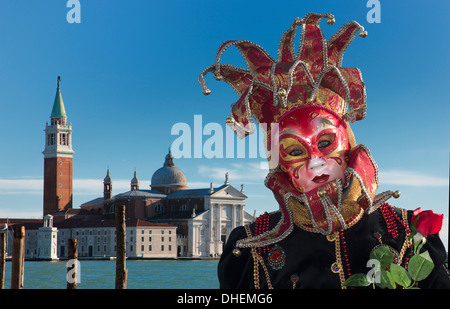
{"x": 400, "y": 275}
{"x": 383, "y": 255}
{"x": 357, "y": 280}
{"x": 420, "y": 266}
{"x": 413, "y": 227}
{"x": 386, "y": 281}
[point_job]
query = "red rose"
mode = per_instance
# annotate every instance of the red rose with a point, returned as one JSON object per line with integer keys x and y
{"x": 428, "y": 223}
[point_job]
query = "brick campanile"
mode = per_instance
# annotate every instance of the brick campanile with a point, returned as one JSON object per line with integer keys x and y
{"x": 58, "y": 156}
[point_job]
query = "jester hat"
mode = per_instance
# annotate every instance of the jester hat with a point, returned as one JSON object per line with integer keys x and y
{"x": 268, "y": 88}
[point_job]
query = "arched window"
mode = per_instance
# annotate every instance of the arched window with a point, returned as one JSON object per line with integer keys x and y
{"x": 184, "y": 207}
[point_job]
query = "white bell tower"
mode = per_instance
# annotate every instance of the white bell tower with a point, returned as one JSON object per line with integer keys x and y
{"x": 47, "y": 240}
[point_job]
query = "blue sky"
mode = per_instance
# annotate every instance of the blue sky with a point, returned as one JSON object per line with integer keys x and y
{"x": 129, "y": 73}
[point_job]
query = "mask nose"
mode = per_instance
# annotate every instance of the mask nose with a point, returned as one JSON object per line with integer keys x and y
{"x": 316, "y": 165}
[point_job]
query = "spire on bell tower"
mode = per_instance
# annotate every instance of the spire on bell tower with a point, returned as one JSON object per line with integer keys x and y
{"x": 58, "y": 111}
{"x": 107, "y": 186}
{"x": 134, "y": 182}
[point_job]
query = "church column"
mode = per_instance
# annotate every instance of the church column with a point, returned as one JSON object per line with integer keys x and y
{"x": 192, "y": 236}
{"x": 211, "y": 222}
{"x": 234, "y": 209}
{"x": 210, "y": 241}
{"x": 218, "y": 229}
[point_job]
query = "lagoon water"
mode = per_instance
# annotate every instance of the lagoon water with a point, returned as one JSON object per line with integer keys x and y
{"x": 142, "y": 274}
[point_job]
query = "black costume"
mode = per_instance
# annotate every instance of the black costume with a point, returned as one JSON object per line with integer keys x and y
{"x": 309, "y": 256}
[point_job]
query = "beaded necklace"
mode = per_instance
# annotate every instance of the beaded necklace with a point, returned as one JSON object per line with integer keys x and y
{"x": 391, "y": 217}
{"x": 261, "y": 226}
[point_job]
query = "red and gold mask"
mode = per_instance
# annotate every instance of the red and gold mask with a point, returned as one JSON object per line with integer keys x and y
{"x": 313, "y": 147}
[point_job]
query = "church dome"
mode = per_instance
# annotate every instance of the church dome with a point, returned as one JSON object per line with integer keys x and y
{"x": 169, "y": 176}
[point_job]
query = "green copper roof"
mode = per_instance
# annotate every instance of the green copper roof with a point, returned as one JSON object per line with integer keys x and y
{"x": 58, "y": 106}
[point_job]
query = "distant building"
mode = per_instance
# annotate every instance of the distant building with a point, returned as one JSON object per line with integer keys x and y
{"x": 98, "y": 238}
{"x": 168, "y": 220}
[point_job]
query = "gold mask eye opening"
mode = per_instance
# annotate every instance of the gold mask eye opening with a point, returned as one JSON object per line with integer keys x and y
{"x": 295, "y": 150}
{"x": 292, "y": 149}
{"x": 326, "y": 140}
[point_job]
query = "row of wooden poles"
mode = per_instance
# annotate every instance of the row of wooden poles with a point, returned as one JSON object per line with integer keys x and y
{"x": 18, "y": 255}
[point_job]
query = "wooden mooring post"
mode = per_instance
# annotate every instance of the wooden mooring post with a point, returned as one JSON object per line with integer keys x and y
{"x": 18, "y": 258}
{"x": 2, "y": 259}
{"x": 72, "y": 264}
{"x": 121, "y": 271}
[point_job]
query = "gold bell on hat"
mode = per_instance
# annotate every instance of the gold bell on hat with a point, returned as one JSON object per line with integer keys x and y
{"x": 363, "y": 33}
{"x": 282, "y": 92}
{"x": 396, "y": 194}
{"x": 230, "y": 120}
{"x": 206, "y": 91}
{"x": 330, "y": 21}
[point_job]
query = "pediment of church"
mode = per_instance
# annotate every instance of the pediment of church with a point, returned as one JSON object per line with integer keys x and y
{"x": 229, "y": 192}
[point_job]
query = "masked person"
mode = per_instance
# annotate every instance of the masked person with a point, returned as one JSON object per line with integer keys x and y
{"x": 330, "y": 219}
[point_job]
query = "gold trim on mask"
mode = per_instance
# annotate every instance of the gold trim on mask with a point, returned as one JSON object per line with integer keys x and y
{"x": 350, "y": 136}
{"x": 290, "y": 141}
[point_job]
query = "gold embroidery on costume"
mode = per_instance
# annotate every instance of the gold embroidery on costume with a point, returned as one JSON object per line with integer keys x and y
{"x": 337, "y": 267}
{"x": 407, "y": 243}
{"x": 257, "y": 260}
